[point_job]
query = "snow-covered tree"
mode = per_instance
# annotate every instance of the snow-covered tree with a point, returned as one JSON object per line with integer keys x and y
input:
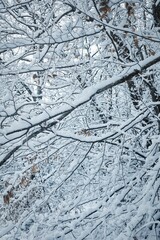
{"x": 80, "y": 119}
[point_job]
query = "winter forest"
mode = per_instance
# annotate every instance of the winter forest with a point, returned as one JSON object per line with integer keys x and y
{"x": 79, "y": 119}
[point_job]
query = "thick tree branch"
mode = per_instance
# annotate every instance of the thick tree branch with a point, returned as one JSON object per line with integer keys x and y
{"x": 83, "y": 98}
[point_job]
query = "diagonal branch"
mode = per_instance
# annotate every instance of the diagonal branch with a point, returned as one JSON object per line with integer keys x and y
{"x": 82, "y": 98}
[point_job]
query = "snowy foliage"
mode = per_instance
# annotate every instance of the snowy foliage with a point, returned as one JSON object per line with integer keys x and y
{"x": 80, "y": 119}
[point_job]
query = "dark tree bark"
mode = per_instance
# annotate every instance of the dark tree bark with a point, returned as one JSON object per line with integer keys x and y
{"x": 156, "y": 13}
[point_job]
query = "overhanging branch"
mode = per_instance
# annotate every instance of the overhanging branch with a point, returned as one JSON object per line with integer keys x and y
{"x": 82, "y": 98}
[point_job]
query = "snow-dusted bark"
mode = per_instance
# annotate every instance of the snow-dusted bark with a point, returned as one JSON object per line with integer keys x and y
{"x": 79, "y": 115}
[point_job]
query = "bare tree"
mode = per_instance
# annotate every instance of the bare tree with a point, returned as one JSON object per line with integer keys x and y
{"x": 79, "y": 115}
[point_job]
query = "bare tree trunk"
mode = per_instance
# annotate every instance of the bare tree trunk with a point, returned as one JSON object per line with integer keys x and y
{"x": 156, "y": 13}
